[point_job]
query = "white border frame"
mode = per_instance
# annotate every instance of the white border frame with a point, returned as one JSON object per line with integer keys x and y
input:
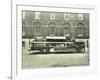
{"x": 18, "y": 73}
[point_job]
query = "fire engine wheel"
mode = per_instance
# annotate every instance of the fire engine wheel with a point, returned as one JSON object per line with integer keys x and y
{"x": 44, "y": 50}
{"x": 82, "y": 50}
{"x": 47, "y": 50}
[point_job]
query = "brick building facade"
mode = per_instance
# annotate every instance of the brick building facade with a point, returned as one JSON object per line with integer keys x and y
{"x": 36, "y": 23}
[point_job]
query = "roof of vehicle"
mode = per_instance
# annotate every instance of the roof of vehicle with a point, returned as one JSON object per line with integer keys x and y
{"x": 55, "y": 37}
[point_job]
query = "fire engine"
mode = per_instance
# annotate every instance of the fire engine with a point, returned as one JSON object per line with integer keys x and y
{"x": 57, "y": 44}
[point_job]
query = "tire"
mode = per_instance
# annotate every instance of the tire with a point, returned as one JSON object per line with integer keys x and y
{"x": 82, "y": 50}
{"x": 47, "y": 50}
{"x": 43, "y": 50}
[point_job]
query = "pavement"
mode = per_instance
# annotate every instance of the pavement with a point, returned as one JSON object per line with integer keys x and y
{"x": 54, "y": 60}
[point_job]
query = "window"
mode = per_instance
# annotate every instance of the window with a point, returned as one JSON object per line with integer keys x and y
{"x": 80, "y": 29}
{"x": 37, "y": 15}
{"x": 52, "y": 15}
{"x": 52, "y": 28}
{"x": 73, "y": 16}
{"x": 37, "y": 28}
{"x": 80, "y": 16}
{"x": 66, "y": 16}
{"x": 67, "y": 28}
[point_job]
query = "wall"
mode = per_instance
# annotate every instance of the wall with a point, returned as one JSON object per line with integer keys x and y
{"x": 60, "y": 26}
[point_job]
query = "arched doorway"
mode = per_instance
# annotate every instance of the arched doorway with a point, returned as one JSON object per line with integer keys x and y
{"x": 80, "y": 24}
{"x": 52, "y": 28}
{"x": 37, "y": 28}
{"x": 67, "y": 28}
{"x": 80, "y": 29}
